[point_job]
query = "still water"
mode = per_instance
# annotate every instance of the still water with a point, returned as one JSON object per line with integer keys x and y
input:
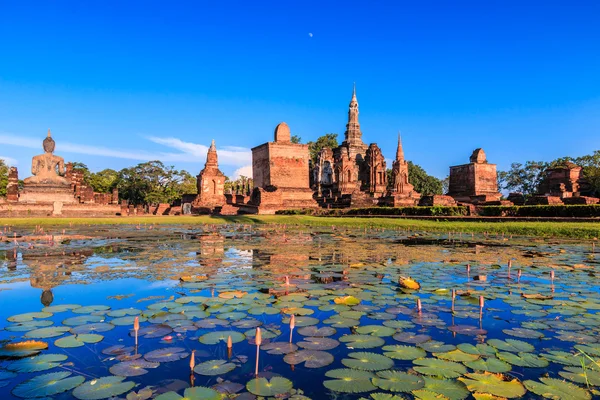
{"x": 527, "y": 331}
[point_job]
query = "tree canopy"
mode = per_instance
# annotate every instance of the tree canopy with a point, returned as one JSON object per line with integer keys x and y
{"x": 296, "y": 139}
{"x": 3, "y": 178}
{"x": 328, "y": 140}
{"x": 425, "y": 184}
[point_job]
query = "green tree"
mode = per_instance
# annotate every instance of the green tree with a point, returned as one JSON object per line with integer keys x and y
{"x": 3, "y": 178}
{"x": 296, "y": 139}
{"x": 104, "y": 181}
{"x": 152, "y": 183}
{"x": 188, "y": 183}
{"x": 523, "y": 178}
{"x": 328, "y": 140}
{"x": 425, "y": 184}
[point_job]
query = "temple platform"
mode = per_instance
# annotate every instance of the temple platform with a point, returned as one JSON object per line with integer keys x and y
{"x": 36, "y": 194}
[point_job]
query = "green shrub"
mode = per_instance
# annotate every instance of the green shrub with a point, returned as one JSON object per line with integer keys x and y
{"x": 564, "y": 211}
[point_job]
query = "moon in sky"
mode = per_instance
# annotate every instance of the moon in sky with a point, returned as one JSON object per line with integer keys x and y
{"x": 310, "y": 34}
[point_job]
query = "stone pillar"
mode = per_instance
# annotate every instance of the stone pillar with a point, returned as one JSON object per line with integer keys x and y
{"x": 12, "y": 189}
{"x": 115, "y": 196}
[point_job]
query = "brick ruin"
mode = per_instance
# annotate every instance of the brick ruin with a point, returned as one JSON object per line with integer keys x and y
{"x": 475, "y": 182}
{"x": 402, "y": 193}
{"x": 564, "y": 184}
{"x": 280, "y": 171}
{"x": 55, "y": 189}
{"x": 210, "y": 182}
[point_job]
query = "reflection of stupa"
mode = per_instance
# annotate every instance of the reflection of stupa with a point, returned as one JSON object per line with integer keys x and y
{"x": 211, "y": 249}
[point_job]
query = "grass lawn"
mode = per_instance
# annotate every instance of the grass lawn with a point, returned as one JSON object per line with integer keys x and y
{"x": 581, "y": 230}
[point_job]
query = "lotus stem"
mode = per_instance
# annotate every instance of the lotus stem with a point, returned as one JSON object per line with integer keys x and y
{"x": 258, "y": 340}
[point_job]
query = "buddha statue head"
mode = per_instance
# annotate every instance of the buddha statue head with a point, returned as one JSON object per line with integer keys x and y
{"x": 49, "y": 143}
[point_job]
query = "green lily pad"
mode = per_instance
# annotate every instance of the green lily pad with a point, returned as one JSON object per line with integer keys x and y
{"x": 580, "y": 375}
{"x": 375, "y": 330}
{"x": 512, "y": 345}
{"x": 276, "y": 386}
{"x": 368, "y": 361}
{"x": 83, "y": 320}
{"x": 479, "y": 349}
{"x": 318, "y": 332}
{"x": 523, "y": 360}
{"x": 103, "y": 388}
{"x": 310, "y": 358}
{"x": 456, "y": 355}
{"x": 349, "y": 381}
{"x": 318, "y": 343}
{"x": 437, "y": 367}
{"x": 167, "y": 354}
{"x": 399, "y": 352}
{"x": 29, "y": 325}
{"x": 36, "y": 364}
{"x": 132, "y": 368}
{"x": 434, "y": 346}
{"x": 557, "y": 389}
{"x": 193, "y": 393}
{"x": 214, "y": 367}
{"x": 451, "y": 389}
{"x": 279, "y": 348}
{"x": 47, "y": 385}
{"x": 60, "y": 308}
{"x": 490, "y": 364}
{"x": 78, "y": 340}
{"x": 396, "y": 381}
{"x": 92, "y": 328}
{"x": 49, "y": 332}
{"x": 493, "y": 384}
{"x": 221, "y": 336}
{"x": 90, "y": 309}
{"x": 30, "y": 316}
{"x": 362, "y": 341}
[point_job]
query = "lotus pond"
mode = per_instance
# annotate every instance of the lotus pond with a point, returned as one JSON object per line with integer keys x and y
{"x": 247, "y": 312}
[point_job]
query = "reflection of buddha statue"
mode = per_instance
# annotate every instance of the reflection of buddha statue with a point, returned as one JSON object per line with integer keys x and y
{"x": 47, "y": 168}
{"x": 47, "y": 297}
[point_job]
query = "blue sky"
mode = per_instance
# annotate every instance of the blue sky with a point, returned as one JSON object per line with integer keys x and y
{"x": 123, "y": 82}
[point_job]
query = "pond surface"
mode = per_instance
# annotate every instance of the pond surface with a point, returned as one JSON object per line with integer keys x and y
{"x": 70, "y": 300}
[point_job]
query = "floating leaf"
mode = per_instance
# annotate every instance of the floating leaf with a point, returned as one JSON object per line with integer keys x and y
{"x": 217, "y": 337}
{"x": 166, "y": 355}
{"x": 451, "y": 389}
{"x": 92, "y": 328}
{"x": 310, "y": 358}
{"x": 493, "y": 384}
{"x": 275, "y": 387}
{"x": 368, "y": 361}
{"x": 22, "y": 349}
{"x": 512, "y": 345}
{"x": 557, "y": 389}
{"x": 362, "y": 341}
{"x": 399, "y": 352}
{"x": 434, "y": 346}
{"x": 316, "y": 343}
{"x": 523, "y": 359}
{"x": 314, "y": 331}
{"x": 375, "y": 330}
{"x": 349, "y": 381}
{"x": 490, "y": 364}
{"x": 580, "y": 375}
{"x": 396, "y": 381}
{"x": 479, "y": 349}
{"x": 132, "y": 368}
{"x": 45, "y": 333}
{"x": 47, "y": 385}
{"x": 102, "y": 388}
{"x": 408, "y": 337}
{"x": 30, "y": 316}
{"x": 347, "y": 300}
{"x": 279, "y": 348}
{"x": 456, "y": 355}
{"x": 437, "y": 367}
{"x": 38, "y": 363}
{"x": 214, "y": 367}
{"x": 78, "y": 340}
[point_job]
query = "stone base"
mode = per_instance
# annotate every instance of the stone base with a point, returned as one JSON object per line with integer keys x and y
{"x": 581, "y": 200}
{"x": 39, "y": 194}
{"x": 544, "y": 201}
{"x": 268, "y": 201}
{"x": 437, "y": 200}
{"x": 57, "y": 209}
{"x": 399, "y": 200}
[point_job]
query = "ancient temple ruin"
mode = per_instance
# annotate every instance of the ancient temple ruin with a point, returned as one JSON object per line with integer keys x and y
{"x": 280, "y": 170}
{"x": 564, "y": 184}
{"x": 475, "y": 182}
{"x": 210, "y": 182}
{"x": 55, "y": 188}
{"x": 401, "y": 193}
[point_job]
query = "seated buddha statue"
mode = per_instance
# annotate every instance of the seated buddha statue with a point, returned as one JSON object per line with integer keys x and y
{"x": 47, "y": 168}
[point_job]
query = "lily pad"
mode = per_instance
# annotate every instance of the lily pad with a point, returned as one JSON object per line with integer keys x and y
{"x": 314, "y": 331}
{"x": 103, "y": 388}
{"x": 557, "y": 389}
{"x": 47, "y": 385}
{"x": 221, "y": 336}
{"x": 310, "y": 358}
{"x": 214, "y": 367}
{"x": 78, "y": 340}
{"x": 375, "y": 330}
{"x": 279, "y": 348}
{"x": 167, "y": 354}
{"x": 132, "y": 368}
{"x": 22, "y": 349}
{"x": 316, "y": 343}
{"x": 490, "y": 364}
{"x": 36, "y": 364}
{"x": 349, "y": 381}
{"x": 512, "y": 345}
{"x": 362, "y": 341}
{"x": 437, "y": 367}
{"x": 396, "y": 381}
{"x": 368, "y": 361}
{"x": 493, "y": 384}
{"x": 193, "y": 393}
{"x": 275, "y": 387}
{"x": 49, "y": 332}
{"x": 399, "y": 352}
{"x": 523, "y": 360}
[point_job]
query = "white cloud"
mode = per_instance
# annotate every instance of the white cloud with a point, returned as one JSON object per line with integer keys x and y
{"x": 188, "y": 152}
{"x": 245, "y": 170}
{"x": 9, "y": 161}
{"x": 228, "y": 155}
